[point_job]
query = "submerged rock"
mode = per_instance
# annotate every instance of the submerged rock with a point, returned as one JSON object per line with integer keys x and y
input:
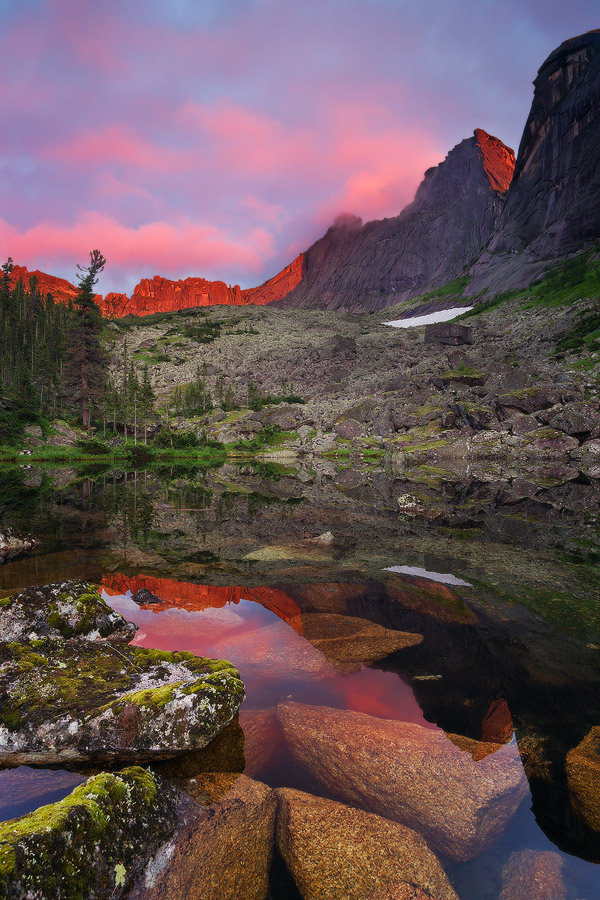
{"x": 82, "y": 698}
{"x": 92, "y": 844}
{"x": 349, "y": 642}
{"x": 219, "y": 852}
{"x": 408, "y": 773}
{"x": 14, "y": 544}
{"x": 333, "y": 851}
{"x": 583, "y": 778}
{"x": 398, "y": 891}
{"x": 535, "y": 876}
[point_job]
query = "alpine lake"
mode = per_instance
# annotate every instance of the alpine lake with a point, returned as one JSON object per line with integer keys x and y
{"x": 405, "y": 638}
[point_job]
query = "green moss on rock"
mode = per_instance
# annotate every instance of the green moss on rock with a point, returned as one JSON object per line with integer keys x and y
{"x": 94, "y": 843}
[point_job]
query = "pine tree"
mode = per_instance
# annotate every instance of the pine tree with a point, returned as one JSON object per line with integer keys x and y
{"x": 86, "y": 364}
{"x": 146, "y": 401}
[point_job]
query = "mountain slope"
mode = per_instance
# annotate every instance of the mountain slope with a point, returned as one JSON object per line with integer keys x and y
{"x": 455, "y": 210}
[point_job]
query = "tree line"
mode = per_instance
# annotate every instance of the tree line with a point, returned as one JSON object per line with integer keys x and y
{"x": 53, "y": 363}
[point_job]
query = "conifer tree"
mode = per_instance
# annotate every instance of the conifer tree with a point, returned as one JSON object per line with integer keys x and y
{"x": 85, "y": 369}
{"x": 146, "y": 400}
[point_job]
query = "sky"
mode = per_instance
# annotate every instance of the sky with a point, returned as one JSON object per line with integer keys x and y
{"x": 221, "y": 137}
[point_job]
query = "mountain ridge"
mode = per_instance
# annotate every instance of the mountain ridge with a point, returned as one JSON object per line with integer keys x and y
{"x": 482, "y": 213}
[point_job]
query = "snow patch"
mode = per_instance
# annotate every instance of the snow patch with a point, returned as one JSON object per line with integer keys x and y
{"x": 440, "y": 315}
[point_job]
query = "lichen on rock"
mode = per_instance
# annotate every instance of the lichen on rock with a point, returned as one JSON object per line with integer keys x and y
{"x": 66, "y": 609}
{"x": 72, "y": 696}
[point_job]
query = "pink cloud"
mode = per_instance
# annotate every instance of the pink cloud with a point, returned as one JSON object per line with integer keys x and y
{"x": 116, "y": 145}
{"x": 155, "y": 247}
{"x": 111, "y": 186}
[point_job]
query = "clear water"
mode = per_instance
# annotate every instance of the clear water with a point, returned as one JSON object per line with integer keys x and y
{"x": 512, "y": 641}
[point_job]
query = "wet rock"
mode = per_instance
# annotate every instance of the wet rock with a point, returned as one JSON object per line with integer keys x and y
{"x": 349, "y": 642}
{"x": 13, "y": 544}
{"x": 409, "y": 773}
{"x": 583, "y": 778}
{"x": 278, "y": 652}
{"x": 333, "y": 851}
{"x": 144, "y": 596}
{"x": 534, "y": 876}
{"x": 62, "y": 610}
{"x": 94, "y": 843}
{"x": 219, "y": 852}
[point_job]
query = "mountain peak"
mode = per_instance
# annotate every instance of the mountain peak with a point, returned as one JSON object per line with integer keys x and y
{"x": 497, "y": 159}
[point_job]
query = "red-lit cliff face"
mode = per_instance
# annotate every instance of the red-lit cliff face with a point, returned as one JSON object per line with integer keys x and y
{"x": 279, "y": 286}
{"x": 154, "y": 295}
{"x": 497, "y": 159}
{"x": 61, "y": 289}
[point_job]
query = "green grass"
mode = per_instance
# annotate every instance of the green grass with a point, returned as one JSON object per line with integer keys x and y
{"x": 585, "y": 334}
{"x": 127, "y": 454}
{"x": 561, "y": 285}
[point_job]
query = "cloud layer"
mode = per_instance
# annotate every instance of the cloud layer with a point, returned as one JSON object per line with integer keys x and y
{"x": 221, "y": 138}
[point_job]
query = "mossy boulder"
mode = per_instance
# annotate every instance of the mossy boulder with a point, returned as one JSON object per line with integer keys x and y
{"x": 64, "y": 701}
{"x": 63, "y": 610}
{"x": 92, "y": 844}
{"x": 68, "y": 695}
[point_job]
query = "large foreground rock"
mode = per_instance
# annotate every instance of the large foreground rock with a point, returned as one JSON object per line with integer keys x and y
{"x": 91, "y": 844}
{"x": 85, "y": 698}
{"x": 408, "y": 773}
{"x": 334, "y": 851}
{"x": 219, "y": 852}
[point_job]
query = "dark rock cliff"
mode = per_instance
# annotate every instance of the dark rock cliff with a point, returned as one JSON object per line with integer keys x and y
{"x": 455, "y": 210}
{"x": 553, "y": 205}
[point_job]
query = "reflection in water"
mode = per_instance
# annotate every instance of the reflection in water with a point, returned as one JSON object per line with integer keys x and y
{"x": 442, "y": 577}
{"x": 505, "y": 649}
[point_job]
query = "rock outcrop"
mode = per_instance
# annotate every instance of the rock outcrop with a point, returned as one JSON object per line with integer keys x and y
{"x": 390, "y": 768}
{"x": 71, "y": 690}
{"x": 553, "y": 204}
{"x": 91, "y": 844}
{"x": 452, "y": 217}
{"x": 334, "y": 851}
